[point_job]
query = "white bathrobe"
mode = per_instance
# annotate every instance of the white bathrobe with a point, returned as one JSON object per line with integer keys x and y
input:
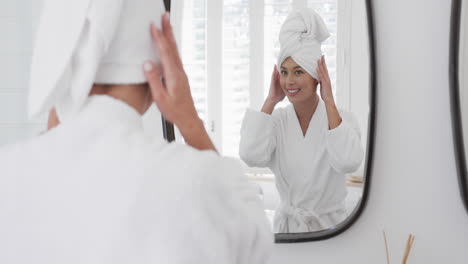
{"x": 96, "y": 190}
{"x": 309, "y": 170}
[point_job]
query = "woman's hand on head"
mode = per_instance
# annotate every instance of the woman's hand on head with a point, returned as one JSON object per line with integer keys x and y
{"x": 276, "y": 94}
{"x": 334, "y": 118}
{"x": 170, "y": 89}
{"x": 168, "y": 82}
{"x": 325, "y": 83}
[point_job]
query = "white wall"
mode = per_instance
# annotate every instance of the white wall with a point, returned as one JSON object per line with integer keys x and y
{"x": 414, "y": 182}
{"x": 17, "y": 26}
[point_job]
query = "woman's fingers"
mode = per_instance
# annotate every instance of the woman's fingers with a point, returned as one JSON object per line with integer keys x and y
{"x": 323, "y": 67}
{"x": 171, "y": 93}
{"x": 153, "y": 76}
{"x": 319, "y": 71}
{"x": 169, "y": 34}
{"x": 274, "y": 78}
{"x": 322, "y": 71}
{"x": 166, "y": 51}
{"x": 167, "y": 29}
{"x": 273, "y": 73}
{"x": 324, "y": 64}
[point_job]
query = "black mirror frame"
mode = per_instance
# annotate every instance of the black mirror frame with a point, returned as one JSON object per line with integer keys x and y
{"x": 342, "y": 227}
{"x": 168, "y": 129}
{"x": 457, "y": 126}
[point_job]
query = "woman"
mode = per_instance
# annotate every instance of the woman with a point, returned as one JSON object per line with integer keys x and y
{"x": 309, "y": 145}
{"x": 97, "y": 188}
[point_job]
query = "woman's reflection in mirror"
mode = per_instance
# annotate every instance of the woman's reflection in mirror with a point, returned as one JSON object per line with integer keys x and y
{"x": 310, "y": 145}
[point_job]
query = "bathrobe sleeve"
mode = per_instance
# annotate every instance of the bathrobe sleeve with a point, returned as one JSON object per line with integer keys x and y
{"x": 227, "y": 222}
{"x": 258, "y": 138}
{"x": 245, "y": 231}
{"x": 344, "y": 144}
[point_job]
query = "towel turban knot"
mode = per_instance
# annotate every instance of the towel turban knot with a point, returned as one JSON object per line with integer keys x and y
{"x": 301, "y": 37}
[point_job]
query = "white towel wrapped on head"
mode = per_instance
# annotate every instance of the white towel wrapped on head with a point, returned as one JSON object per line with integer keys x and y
{"x": 83, "y": 42}
{"x": 301, "y": 38}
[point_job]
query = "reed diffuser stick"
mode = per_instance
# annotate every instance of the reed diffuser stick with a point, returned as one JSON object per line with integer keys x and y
{"x": 386, "y": 247}
{"x": 409, "y": 244}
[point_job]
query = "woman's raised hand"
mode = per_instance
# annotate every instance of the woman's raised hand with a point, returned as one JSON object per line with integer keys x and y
{"x": 276, "y": 94}
{"x": 325, "y": 83}
{"x": 334, "y": 118}
{"x": 168, "y": 82}
{"x": 170, "y": 88}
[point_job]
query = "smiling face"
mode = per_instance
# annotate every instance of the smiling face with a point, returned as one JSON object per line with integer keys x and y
{"x": 297, "y": 84}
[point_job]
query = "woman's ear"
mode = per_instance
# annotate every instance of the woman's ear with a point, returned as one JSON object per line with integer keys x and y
{"x": 316, "y": 82}
{"x": 53, "y": 120}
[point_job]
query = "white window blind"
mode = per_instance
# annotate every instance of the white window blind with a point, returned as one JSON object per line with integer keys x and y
{"x": 243, "y": 47}
{"x": 236, "y": 72}
{"x": 276, "y": 12}
{"x": 194, "y": 55}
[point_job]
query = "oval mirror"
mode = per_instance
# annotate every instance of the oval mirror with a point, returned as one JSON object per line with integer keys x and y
{"x": 304, "y": 131}
{"x": 459, "y": 90}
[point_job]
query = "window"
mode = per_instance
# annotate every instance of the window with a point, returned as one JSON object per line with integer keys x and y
{"x": 234, "y": 73}
{"x": 194, "y": 55}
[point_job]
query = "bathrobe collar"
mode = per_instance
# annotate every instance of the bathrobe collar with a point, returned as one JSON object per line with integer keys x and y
{"x": 315, "y": 123}
{"x": 108, "y": 109}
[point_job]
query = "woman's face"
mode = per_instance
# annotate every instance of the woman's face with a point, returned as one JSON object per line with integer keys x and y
{"x": 296, "y": 83}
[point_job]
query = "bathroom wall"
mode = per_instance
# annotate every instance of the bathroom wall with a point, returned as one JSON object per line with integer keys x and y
{"x": 16, "y": 27}
{"x": 414, "y": 185}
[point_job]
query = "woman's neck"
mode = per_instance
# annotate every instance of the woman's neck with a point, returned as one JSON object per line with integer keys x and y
{"x": 137, "y": 96}
{"x": 305, "y": 110}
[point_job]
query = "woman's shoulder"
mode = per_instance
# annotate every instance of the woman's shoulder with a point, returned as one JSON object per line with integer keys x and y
{"x": 277, "y": 116}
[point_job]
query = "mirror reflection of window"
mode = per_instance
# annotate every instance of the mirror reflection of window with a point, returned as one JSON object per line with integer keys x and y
{"x": 238, "y": 72}
{"x": 194, "y": 55}
{"x": 242, "y": 55}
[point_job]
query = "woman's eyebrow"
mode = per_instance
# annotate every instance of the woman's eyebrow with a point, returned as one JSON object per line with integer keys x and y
{"x": 296, "y": 67}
